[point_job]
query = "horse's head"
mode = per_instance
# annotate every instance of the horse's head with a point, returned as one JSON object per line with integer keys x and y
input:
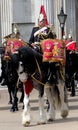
{"x": 22, "y": 62}
{"x": 26, "y": 61}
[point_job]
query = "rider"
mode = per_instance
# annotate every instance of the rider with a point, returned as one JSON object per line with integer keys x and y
{"x": 14, "y": 42}
{"x": 3, "y": 62}
{"x": 42, "y": 31}
{"x": 8, "y": 50}
{"x": 70, "y": 62}
{"x": 70, "y": 44}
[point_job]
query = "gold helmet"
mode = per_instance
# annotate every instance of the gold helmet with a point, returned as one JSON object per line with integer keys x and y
{"x": 15, "y": 29}
{"x": 64, "y": 37}
{"x": 69, "y": 36}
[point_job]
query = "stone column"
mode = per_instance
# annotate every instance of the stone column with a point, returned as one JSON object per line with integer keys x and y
{"x": 71, "y": 18}
{"x": 6, "y": 17}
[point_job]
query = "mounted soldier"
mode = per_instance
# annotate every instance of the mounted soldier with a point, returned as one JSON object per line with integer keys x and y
{"x": 51, "y": 48}
{"x": 71, "y": 62}
{"x": 9, "y": 74}
{"x": 41, "y": 32}
{"x": 14, "y": 42}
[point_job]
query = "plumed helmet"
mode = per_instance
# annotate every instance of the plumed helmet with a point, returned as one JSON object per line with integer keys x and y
{"x": 64, "y": 37}
{"x": 41, "y": 17}
{"x": 69, "y": 36}
{"x": 16, "y": 30}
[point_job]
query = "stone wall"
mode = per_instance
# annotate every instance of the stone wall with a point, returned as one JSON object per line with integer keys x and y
{"x": 23, "y": 15}
{"x": 76, "y": 23}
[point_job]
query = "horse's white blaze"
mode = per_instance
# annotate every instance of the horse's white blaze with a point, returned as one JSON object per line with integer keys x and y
{"x": 22, "y": 75}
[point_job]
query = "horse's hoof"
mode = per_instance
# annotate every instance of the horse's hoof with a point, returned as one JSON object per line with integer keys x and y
{"x": 41, "y": 123}
{"x": 26, "y": 124}
{"x": 12, "y": 110}
{"x": 72, "y": 95}
{"x": 64, "y": 114}
{"x": 50, "y": 120}
{"x": 10, "y": 102}
{"x": 16, "y": 108}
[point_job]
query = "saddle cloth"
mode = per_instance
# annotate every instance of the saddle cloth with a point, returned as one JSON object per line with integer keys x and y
{"x": 53, "y": 50}
{"x": 14, "y": 44}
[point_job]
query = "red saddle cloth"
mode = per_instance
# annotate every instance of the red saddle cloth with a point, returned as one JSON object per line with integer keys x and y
{"x": 71, "y": 45}
{"x": 14, "y": 44}
{"x": 53, "y": 50}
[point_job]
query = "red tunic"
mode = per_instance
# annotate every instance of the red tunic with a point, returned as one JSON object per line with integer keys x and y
{"x": 71, "y": 45}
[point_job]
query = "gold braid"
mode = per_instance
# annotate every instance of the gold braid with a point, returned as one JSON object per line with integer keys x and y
{"x": 44, "y": 36}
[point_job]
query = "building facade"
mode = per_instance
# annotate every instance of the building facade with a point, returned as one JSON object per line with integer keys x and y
{"x": 25, "y": 14}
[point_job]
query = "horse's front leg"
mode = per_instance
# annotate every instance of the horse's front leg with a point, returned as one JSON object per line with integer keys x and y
{"x": 15, "y": 99}
{"x": 10, "y": 96}
{"x": 64, "y": 106}
{"x": 26, "y": 118}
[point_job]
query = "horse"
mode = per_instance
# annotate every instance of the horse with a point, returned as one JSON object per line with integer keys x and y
{"x": 30, "y": 67}
{"x": 11, "y": 77}
{"x": 9, "y": 73}
{"x": 71, "y": 70}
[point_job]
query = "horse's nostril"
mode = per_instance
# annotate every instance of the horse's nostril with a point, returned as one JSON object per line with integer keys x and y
{"x": 21, "y": 72}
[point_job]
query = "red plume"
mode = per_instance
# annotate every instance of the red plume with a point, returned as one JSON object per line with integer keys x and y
{"x": 42, "y": 11}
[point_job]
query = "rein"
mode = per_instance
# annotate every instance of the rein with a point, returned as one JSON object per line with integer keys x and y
{"x": 36, "y": 79}
{"x": 39, "y": 73}
{"x": 38, "y": 68}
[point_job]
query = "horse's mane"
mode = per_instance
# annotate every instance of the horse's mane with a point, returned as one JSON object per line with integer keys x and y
{"x": 28, "y": 56}
{"x": 28, "y": 53}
